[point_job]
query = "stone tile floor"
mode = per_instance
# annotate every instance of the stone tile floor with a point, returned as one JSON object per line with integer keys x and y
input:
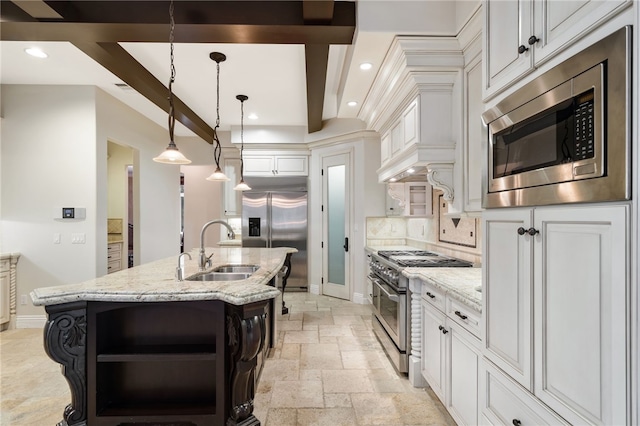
{"x": 327, "y": 369}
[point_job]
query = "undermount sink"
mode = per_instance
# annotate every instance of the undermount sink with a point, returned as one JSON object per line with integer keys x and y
{"x": 245, "y": 269}
{"x": 226, "y": 273}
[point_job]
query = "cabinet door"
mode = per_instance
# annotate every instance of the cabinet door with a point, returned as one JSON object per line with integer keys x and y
{"x": 232, "y": 199}
{"x": 397, "y": 138}
{"x": 474, "y": 138}
{"x": 434, "y": 352}
{"x": 410, "y": 124}
{"x": 507, "y": 292}
{"x": 508, "y": 25}
{"x": 581, "y": 278}
{"x": 291, "y": 165}
{"x": 5, "y": 282}
{"x": 258, "y": 165}
{"x": 465, "y": 349}
{"x": 559, "y": 23}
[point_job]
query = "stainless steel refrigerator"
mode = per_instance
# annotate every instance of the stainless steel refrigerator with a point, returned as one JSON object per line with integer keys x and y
{"x": 274, "y": 214}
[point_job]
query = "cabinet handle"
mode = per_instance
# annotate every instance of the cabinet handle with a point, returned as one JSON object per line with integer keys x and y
{"x": 516, "y": 422}
{"x": 463, "y": 316}
{"x": 533, "y": 40}
{"x": 431, "y": 295}
{"x": 530, "y": 231}
{"x": 444, "y": 330}
{"x": 522, "y": 48}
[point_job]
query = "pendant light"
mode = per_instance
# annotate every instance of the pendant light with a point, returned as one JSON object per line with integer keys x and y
{"x": 242, "y": 186}
{"x": 171, "y": 155}
{"x": 218, "y": 175}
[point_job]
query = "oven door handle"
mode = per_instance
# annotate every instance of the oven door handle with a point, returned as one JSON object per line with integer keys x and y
{"x": 392, "y": 297}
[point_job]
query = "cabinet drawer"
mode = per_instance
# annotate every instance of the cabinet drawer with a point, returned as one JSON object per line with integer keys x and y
{"x": 114, "y": 255}
{"x": 433, "y": 296}
{"x": 114, "y": 247}
{"x": 114, "y": 266}
{"x": 463, "y": 315}
{"x": 504, "y": 402}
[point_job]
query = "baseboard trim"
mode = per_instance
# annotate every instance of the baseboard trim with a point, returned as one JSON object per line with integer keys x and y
{"x": 314, "y": 289}
{"x": 31, "y": 321}
{"x": 360, "y": 299}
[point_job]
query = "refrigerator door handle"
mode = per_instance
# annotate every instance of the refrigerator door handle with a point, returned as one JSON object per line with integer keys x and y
{"x": 346, "y": 244}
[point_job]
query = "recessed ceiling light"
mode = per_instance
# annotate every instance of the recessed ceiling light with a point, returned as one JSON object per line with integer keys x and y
{"x": 393, "y": 179}
{"x": 411, "y": 171}
{"x": 34, "y": 51}
{"x": 366, "y": 66}
{"x": 352, "y": 103}
{"x": 253, "y": 116}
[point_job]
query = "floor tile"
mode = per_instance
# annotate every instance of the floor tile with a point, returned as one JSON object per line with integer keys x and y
{"x": 346, "y": 381}
{"x": 297, "y": 394}
{"x": 326, "y": 417}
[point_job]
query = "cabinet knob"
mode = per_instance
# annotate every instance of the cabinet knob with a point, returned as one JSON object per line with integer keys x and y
{"x": 531, "y": 231}
{"x": 522, "y": 48}
{"x": 516, "y": 422}
{"x": 463, "y": 316}
{"x": 444, "y": 330}
{"x": 533, "y": 40}
{"x": 431, "y": 295}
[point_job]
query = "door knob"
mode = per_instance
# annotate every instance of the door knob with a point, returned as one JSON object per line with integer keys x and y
{"x": 346, "y": 244}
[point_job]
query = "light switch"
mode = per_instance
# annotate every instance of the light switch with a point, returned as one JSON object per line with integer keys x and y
{"x": 78, "y": 238}
{"x": 56, "y": 238}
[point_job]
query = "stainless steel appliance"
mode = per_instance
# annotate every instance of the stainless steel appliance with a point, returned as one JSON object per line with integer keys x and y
{"x": 274, "y": 214}
{"x": 391, "y": 316}
{"x": 565, "y": 136}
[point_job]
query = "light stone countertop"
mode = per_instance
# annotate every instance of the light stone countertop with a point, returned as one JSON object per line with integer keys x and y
{"x": 230, "y": 243}
{"x": 155, "y": 281}
{"x": 459, "y": 283}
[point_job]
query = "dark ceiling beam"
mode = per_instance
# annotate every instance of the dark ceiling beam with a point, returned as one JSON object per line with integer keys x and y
{"x": 124, "y": 66}
{"x": 97, "y": 26}
{"x": 317, "y": 57}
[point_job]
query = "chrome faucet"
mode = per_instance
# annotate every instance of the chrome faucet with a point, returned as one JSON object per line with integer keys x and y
{"x": 180, "y": 268}
{"x": 204, "y": 261}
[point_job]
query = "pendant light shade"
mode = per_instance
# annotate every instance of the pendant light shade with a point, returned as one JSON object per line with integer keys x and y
{"x": 218, "y": 175}
{"x": 242, "y": 186}
{"x": 171, "y": 155}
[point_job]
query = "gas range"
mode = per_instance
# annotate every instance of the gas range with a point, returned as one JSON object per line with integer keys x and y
{"x": 421, "y": 259}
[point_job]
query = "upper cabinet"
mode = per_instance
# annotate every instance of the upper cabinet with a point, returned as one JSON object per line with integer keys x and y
{"x": 520, "y": 35}
{"x": 276, "y": 165}
{"x": 232, "y": 198}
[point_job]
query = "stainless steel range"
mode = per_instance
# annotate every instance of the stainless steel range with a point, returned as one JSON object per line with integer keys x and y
{"x": 391, "y": 317}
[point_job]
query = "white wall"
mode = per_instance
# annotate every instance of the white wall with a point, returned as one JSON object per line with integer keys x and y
{"x": 54, "y": 154}
{"x": 202, "y": 203}
{"x": 368, "y": 199}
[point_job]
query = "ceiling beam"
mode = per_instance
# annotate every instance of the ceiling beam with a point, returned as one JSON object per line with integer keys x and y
{"x": 97, "y": 26}
{"x": 117, "y": 60}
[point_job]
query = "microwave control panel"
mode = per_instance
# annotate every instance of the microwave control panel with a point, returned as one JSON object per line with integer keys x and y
{"x": 584, "y": 131}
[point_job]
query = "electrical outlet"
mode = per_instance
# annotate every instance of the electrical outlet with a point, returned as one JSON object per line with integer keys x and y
{"x": 23, "y": 299}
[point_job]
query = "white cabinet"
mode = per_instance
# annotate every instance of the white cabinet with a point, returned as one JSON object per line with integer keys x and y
{"x": 114, "y": 257}
{"x": 8, "y": 285}
{"x": 412, "y": 199}
{"x": 450, "y": 354}
{"x": 232, "y": 198}
{"x": 522, "y": 34}
{"x": 474, "y": 138}
{"x": 560, "y": 274}
{"x": 404, "y": 132}
{"x": 276, "y": 165}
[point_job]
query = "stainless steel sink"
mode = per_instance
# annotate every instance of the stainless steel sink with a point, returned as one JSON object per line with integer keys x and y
{"x": 219, "y": 276}
{"x": 245, "y": 269}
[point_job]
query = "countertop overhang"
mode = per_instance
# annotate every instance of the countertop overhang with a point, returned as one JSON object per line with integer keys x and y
{"x": 155, "y": 281}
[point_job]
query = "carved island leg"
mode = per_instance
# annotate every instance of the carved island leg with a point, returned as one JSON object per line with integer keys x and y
{"x": 65, "y": 341}
{"x": 246, "y": 338}
{"x": 287, "y": 263}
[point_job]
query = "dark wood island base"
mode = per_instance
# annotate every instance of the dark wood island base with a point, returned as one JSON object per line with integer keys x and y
{"x": 182, "y": 363}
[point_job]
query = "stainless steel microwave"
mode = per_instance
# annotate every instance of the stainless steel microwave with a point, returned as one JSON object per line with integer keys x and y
{"x": 565, "y": 136}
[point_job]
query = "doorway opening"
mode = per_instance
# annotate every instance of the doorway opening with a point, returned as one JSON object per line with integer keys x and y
{"x": 121, "y": 206}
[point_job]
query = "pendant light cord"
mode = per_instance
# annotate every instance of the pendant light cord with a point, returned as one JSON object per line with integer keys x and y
{"x": 241, "y": 140}
{"x": 172, "y": 118}
{"x": 217, "y": 150}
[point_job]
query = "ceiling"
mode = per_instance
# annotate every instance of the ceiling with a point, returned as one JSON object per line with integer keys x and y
{"x": 297, "y": 60}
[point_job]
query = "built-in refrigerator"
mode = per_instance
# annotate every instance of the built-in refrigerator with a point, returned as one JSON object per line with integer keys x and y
{"x": 274, "y": 214}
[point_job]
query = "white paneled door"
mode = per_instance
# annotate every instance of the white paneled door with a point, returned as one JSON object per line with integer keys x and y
{"x": 336, "y": 208}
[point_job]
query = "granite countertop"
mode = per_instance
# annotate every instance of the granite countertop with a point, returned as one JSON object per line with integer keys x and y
{"x": 230, "y": 243}
{"x": 459, "y": 283}
{"x": 155, "y": 281}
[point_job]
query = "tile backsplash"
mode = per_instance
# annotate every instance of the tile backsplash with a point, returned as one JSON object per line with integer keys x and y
{"x": 426, "y": 233}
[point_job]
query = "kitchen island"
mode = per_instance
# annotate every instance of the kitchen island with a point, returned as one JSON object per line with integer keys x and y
{"x": 139, "y": 347}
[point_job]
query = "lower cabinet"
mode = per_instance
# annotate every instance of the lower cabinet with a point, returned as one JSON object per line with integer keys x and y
{"x": 114, "y": 257}
{"x": 450, "y": 360}
{"x": 505, "y": 402}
